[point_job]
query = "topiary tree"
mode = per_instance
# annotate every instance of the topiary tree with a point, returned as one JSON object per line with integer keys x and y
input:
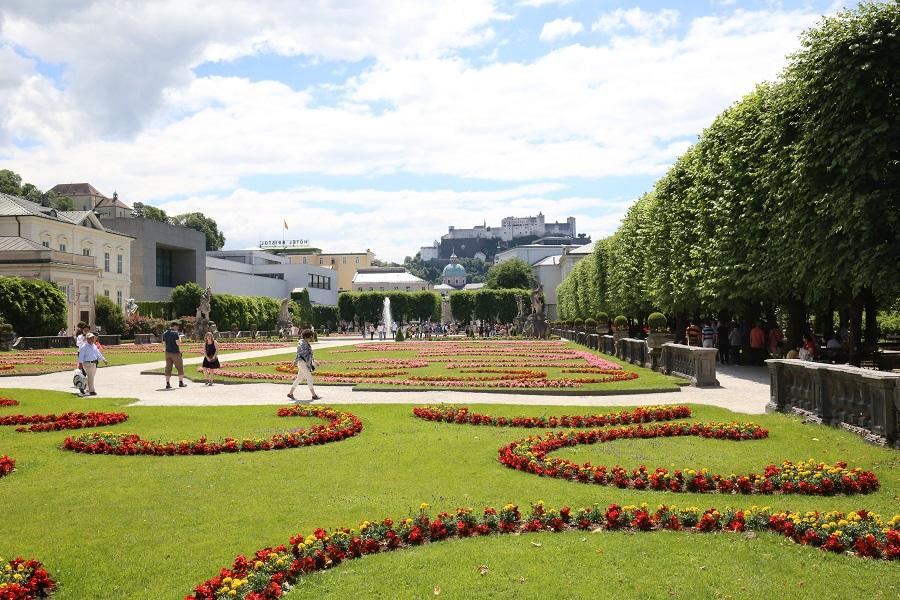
{"x": 658, "y": 323}
{"x": 620, "y": 323}
{"x": 108, "y": 315}
{"x": 399, "y": 336}
{"x": 590, "y": 324}
{"x": 579, "y": 323}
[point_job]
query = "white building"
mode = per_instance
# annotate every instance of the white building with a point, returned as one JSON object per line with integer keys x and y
{"x": 72, "y": 249}
{"x": 432, "y": 252}
{"x": 387, "y": 279}
{"x": 261, "y": 273}
{"x": 551, "y": 264}
{"x": 514, "y": 227}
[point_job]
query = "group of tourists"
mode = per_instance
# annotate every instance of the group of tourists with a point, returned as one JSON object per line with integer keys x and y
{"x": 740, "y": 344}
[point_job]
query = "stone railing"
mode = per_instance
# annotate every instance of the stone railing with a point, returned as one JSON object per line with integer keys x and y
{"x": 634, "y": 351}
{"x": 607, "y": 344}
{"x": 691, "y": 362}
{"x": 145, "y": 338}
{"x": 860, "y": 400}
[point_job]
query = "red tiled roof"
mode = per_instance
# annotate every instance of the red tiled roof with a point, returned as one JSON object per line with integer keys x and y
{"x": 75, "y": 189}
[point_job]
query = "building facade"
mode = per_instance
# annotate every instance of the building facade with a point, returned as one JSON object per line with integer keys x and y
{"x": 163, "y": 256}
{"x": 261, "y": 273}
{"x": 87, "y": 197}
{"x": 344, "y": 264}
{"x": 387, "y": 279}
{"x": 72, "y": 249}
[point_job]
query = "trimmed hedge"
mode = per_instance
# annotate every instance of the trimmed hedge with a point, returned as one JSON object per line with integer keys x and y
{"x": 324, "y": 315}
{"x": 156, "y": 310}
{"x": 33, "y": 307}
{"x": 493, "y": 305}
{"x": 367, "y": 307}
{"x": 244, "y": 311}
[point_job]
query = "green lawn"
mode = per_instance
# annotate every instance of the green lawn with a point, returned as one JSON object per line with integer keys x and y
{"x": 148, "y": 527}
{"x": 64, "y": 359}
{"x": 647, "y": 380}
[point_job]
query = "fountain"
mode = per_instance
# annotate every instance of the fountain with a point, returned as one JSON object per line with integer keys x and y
{"x": 386, "y": 316}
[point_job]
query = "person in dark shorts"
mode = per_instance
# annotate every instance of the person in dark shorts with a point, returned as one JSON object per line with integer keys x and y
{"x": 210, "y": 356}
{"x": 171, "y": 339}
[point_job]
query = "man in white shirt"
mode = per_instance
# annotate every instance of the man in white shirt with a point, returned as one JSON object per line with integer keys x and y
{"x": 88, "y": 356}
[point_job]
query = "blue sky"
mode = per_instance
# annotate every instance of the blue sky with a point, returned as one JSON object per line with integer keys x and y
{"x": 377, "y": 124}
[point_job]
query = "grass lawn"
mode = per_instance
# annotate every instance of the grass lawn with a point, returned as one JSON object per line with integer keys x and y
{"x": 64, "y": 359}
{"x": 347, "y": 359}
{"x": 153, "y": 527}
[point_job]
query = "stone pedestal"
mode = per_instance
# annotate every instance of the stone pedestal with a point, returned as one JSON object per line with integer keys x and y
{"x": 696, "y": 364}
{"x": 201, "y": 326}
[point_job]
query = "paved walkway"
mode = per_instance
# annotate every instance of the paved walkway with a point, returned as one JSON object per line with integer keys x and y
{"x": 743, "y": 389}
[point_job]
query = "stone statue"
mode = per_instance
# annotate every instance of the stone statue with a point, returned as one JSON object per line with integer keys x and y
{"x": 203, "y": 323}
{"x": 205, "y": 301}
{"x": 284, "y": 318}
{"x": 284, "y": 313}
{"x": 537, "y": 300}
{"x": 520, "y": 303}
{"x": 131, "y": 306}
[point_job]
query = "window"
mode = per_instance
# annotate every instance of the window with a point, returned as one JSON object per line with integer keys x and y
{"x": 45, "y": 244}
{"x": 321, "y": 282}
{"x": 321, "y": 260}
{"x": 344, "y": 260}
{"x": 62, "y": 247}
{"x": 106, "y": 261}
{"x": 84, "y": 294}
{"x": 119, "y": 298}
{"x": 163, "y": 267}
{"x": 305, "y": 259}
{"x": 357, "y": 260}
{"x": 332, "y": 260}
{"x": 86, "y": 251}
{"x": 106, "y": 293}
{"x": 119, "y": 264}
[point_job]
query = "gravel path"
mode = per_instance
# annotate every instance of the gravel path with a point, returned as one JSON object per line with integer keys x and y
{"x": 743, "y": 389}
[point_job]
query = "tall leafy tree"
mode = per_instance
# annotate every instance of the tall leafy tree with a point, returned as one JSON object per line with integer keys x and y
{"x": 513, "y": 273}
{"x": 215, "y": 239}
{"x": 146, "y": 211}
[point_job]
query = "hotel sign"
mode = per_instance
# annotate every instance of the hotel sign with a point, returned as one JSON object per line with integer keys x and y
{"x": 283, "y": 243}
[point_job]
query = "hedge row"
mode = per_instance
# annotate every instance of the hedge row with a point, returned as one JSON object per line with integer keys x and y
{"x": 366, "y": 307}
{"x": 492, "y": 305}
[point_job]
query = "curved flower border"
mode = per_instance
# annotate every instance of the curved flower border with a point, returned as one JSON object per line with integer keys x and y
{"x": 462, "y": 416}
{"x": 22, "y": 579}
{"x": 810, "y": 478}
{"x": 341, "y": 425}
{"x": 7, "y": 465}
{"x": 271, "y": 572}
{"x": 8, "y": 402}
{"x": 68, "y": 420}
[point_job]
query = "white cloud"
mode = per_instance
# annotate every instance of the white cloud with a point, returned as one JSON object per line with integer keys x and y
{"x": 626, "y": 106}
{"x": 559, "y": 28}
{"x": 539, "y": 3}
{"x": 641, "y": 21}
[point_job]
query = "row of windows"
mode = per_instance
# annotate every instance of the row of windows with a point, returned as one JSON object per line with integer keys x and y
{"x": 332, "y": 260}
{"x": 321, "y": 282}
{"x": 106, "y": 265}
{"x": 381, "y": 289}
{"x": 118, "y": 296}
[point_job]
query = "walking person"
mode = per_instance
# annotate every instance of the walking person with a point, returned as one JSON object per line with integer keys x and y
{"x": 722, "y": 341}
{"x": 172, "y": 340}
{"x": 735, "y": 340}
{"x": 708, "y": 333}
{"x": 89, "y": 355}
{"x": 758, "y": 344}
{"x": 305, "y": 364}
{"x": 210, "y": 356}
{"x": 776, "y": 340}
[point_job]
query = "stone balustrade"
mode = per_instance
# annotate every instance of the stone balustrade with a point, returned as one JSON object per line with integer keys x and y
{"x": 692, "y": 362}
{"x": 634, "y": 351}
{"x": 860, "y": 400}
{"x": 60, "y": 341}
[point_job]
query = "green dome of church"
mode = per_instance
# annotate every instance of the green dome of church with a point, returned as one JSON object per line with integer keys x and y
{"x": 454, "y": 270}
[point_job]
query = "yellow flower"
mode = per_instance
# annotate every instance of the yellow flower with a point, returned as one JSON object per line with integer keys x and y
{"x": 424, "y": 506}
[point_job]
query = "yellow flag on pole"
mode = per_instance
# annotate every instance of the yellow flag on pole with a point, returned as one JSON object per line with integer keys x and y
{"x": 285, "y": 223}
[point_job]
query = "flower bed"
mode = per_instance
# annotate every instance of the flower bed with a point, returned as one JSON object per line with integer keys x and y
{"x": 22, "y": 579}
{"x": 7, "y": 465}
{"x": 6, "y": 367}
{"x": 461, "y": 415}
{"x": 8, "y": 402}
{"x": 341, "y": 425}
{"x": 271, "y": 572}
{"x": 68, "y": 420}
{"x": 530, "y": 455}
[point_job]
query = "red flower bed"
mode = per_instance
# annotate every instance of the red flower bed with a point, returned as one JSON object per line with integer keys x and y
{"x": 8, "y": 402}
{"x": 271, "y": 572}
{"x": 22, "y": 579}
{"x": 530, "y": 455}
{"x": 6, "y": 367}
{"x": 7, "y": 465}
{"x": 341, "y": 425}
{"x": 69, "y": 420}
{"x": 461, "y": 415}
